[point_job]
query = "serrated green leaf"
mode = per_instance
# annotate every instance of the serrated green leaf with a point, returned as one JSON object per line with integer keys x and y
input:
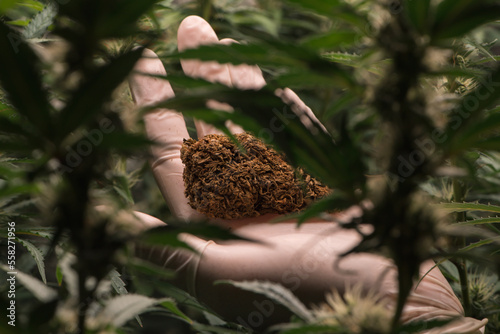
{"x": 16, "y": 207}
{"x": 355, "y": 61}
{"x": 458, "y": 17}
{"x": 118, "y": 310}
{"x": 19, "y": 23}
{"x": 181, "y": 296}
{"x": 150, "y": 269}
{"x": 167, "y": 239}
{"x": 449, "y": 270}
{"x": 342, "y": 58}
{"x": 122, "y": 16}
{"x": 41, "y": 291}
{"x": 184, "y": 81}
{"x": 37, "y": 256}
{"x": 304, "y": 79}
{"x": 480, "y": 243}
{"x": 270, "y": 52}
{"x": 7, "y": 159}
{"x": 235, "y": 53}
{"x": 481, "y": 128}
{"x": 322, "y": 7}
{"x": 454, "y": 71}
{"x": 265, "y": 19}
{"x": 485, "y": 60}
{"x": 350, "y": 15}
{"x": 419, "y": 14}
{"x": 6, "y": 110}
{"x": 8, "y": 172}
{"x": 15, "y": 144}
{"x": 480, "y": 48}
{"x": 21, "y": 79}
{"x": 461, "y": 207}
{"x": 277, "y": 293}
{"x": 122, "y": 185}
{"x": 213, "y": 319}
{"x": 345, "y": 102}
{"x": 36, "y": 5}
{"x": 9, "y": 125}
{"x": 116, "y": 282}
{"x": 217, "y": 118}
{"x": 124, "y": 193}
{"x": 119, "y": 287}
{"x": 10, "y": 190}
{"x": 489, "y": 144}
{"x": 68, "y": 274}
{"x": 6, "y": 5}
{"x": 44, "y": 232}
{"x": 437, "y": 264}
{"x": 168, "y": 235}
{"x": 217, "y": 329}
{"x": 334, "y": 201}
{"x": 331, "y": 40}
{"x": 59, "y": 275}
{"x": 124, "y": 141}
{"x": 107, "y": 19}
{"x": 41, "y": 22}
{"x": 172, "y": 307}
{"x": 447, "y": 9}
{"x": 480, "y": 221}
{"x": 471, "y": 108}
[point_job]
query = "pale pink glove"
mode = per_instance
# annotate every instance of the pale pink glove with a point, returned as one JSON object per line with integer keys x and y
{"x": 300, "y": 259}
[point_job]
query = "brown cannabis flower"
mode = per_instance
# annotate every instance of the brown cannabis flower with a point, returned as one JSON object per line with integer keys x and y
{"x": 221, "y": 181}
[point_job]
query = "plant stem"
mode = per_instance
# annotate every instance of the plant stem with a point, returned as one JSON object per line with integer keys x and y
{"x": 464, "y": 285}
{"x": 206, "y": 9}
{"x": 459, "y": 196}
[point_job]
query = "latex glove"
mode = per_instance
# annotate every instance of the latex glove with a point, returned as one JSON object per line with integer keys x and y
{"x": 300, "y": 259}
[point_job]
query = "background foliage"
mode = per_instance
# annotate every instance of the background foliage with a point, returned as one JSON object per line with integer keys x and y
{"x": 408, "y": 92}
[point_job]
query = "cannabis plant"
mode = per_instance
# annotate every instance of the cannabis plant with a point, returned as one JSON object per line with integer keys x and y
{"x": 408, "y": 94}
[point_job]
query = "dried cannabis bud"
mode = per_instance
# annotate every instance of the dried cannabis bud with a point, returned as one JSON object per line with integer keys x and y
{"x": 223, "y": 182}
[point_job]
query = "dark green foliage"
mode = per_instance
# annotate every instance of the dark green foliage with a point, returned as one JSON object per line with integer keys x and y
{"x": 21, "y": 78}
{"x": 168, "y": 235}
{"x": 456, "y": 18}
{"x": 375, "y": 73}
{"x": 94, "y": 92}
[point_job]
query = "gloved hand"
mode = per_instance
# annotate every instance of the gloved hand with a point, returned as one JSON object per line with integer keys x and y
{"x": 301, "y": 259}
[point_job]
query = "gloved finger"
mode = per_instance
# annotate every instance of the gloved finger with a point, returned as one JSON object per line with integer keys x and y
{"x": 250, "y": 77}
{"x": 147, "y": 221}
{"x": 203, "y": 129}
{"x": 244, "y": 76}
{"x": 167, "y": 128}
{"x": 193, "y": 32}
{"x": 433, "y": 298}
{"x": 182, "y": 261}
{"x": 300, "y": 109}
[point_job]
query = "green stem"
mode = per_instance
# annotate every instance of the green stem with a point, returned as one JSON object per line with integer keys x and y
{"x": 206, "y": 9}
{"x": 464, "y": 285}
{"x": 459, "y": 196}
